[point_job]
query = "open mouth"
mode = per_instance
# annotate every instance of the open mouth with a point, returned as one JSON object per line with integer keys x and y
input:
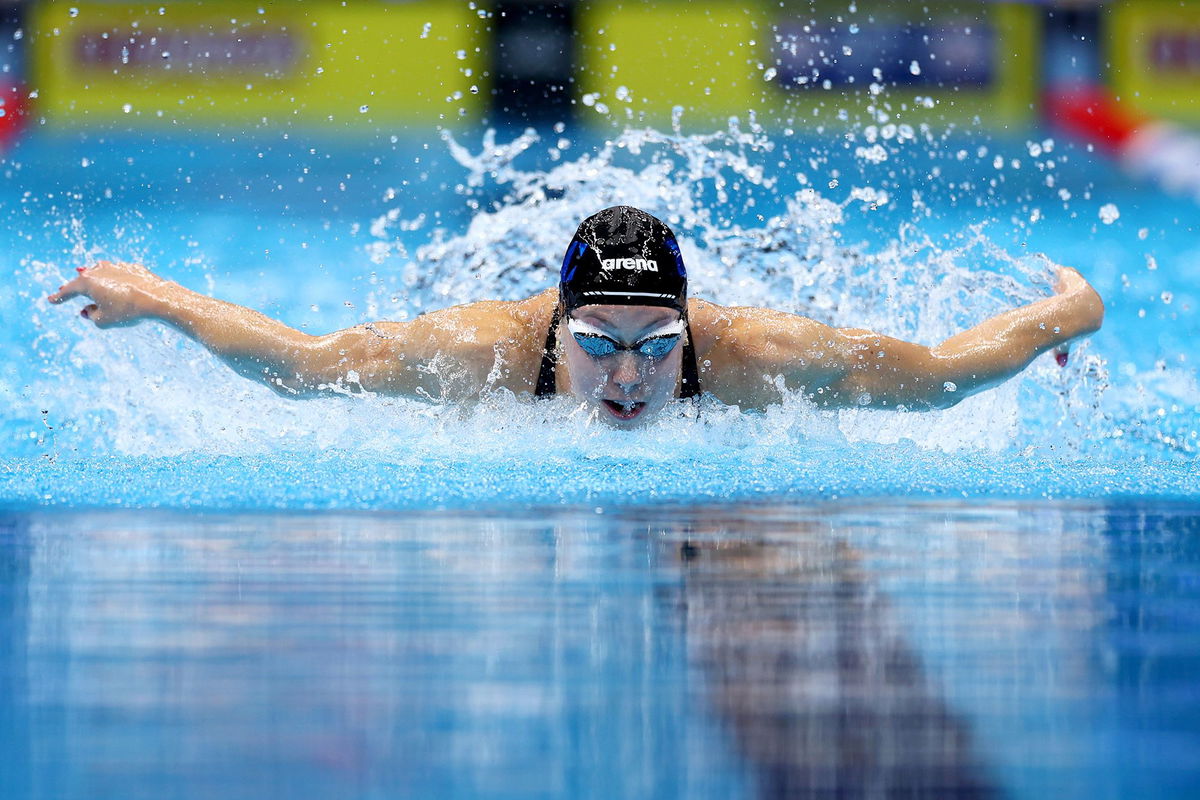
{"x": 624, "y": 410}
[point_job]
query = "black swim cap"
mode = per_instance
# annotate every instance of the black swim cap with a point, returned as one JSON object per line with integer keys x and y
{"x": 623, "y": 256}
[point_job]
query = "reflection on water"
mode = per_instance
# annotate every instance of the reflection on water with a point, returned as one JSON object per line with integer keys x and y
{"x": 804, "y": 657}
{"x": 800, "y": 651}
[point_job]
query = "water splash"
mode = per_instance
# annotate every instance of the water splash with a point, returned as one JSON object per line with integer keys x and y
{"x": 149, "y": 392}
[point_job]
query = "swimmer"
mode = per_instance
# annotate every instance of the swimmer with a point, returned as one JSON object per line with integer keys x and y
{"x": 619, "y": 334}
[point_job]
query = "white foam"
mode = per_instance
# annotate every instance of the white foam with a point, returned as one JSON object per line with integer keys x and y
{"x": 149, "y": 391}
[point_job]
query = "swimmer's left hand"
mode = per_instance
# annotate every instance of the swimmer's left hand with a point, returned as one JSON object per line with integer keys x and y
{"x": 122, "y": 293}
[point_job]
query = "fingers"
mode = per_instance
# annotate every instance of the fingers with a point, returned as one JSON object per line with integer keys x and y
{"x": 67, "y": 291}
{"x": 74, "y": 288}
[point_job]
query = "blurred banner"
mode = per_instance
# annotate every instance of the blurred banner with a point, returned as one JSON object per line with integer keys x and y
{"x": 1154, "y": 50}
{"x": 367, "y": 64}
{"x": 339, "y": 65}
{"x": 811, "y": 62}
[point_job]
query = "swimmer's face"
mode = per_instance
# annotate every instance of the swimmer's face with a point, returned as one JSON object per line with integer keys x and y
{"x": 625, "y": 388}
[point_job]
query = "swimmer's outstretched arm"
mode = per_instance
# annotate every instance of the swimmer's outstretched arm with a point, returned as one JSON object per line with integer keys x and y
{"x": 854, "y": 367}
{"x": 444, "y": 355}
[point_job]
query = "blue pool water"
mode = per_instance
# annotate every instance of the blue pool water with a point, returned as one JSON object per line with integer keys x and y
{"x": 212, "y": 591}
{"x": 328, "y": 234}
{"x": 1024, "y": 649}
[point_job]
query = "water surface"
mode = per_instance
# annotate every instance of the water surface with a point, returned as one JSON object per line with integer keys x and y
{"x": 855, "y": 648}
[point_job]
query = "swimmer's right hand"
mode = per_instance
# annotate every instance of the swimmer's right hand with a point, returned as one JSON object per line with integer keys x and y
{"x": 122, "y": 293}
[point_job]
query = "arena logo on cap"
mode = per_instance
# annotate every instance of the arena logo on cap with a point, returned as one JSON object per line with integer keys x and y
{"x": 635, "y": 264}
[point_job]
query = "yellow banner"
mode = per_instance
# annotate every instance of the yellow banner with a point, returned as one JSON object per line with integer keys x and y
{"x": 1154, "y": 50}
{"x": 353, "y": 65}
{"x": 806, "y": 63}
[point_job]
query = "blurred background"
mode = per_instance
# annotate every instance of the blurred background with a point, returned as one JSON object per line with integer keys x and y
{"x": 370, "y": 66}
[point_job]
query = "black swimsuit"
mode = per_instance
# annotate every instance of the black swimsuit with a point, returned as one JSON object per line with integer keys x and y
{"x": 547, "y": 387}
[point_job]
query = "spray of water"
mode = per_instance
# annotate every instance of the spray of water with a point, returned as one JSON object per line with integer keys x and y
{"x": 147, "y": 391}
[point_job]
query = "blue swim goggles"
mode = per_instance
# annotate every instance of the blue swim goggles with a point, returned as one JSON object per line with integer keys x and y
{"x": 596, "y": 343}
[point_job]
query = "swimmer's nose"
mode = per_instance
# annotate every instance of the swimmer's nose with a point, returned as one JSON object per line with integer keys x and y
{"x": 627, "y": 374}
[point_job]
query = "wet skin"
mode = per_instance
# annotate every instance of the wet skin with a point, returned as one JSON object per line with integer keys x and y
{"x": 748, "y": 357}
{"x": 626, "y": 388}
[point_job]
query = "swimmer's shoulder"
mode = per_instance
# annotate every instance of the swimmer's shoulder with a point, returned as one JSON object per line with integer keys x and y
{"x": 496, "y": 321}
{"x": 743, "y": 331}
{"x": 515, "y": 332}
{"x": 522, "y": 324}
{"x": 740, "y": 349}
{"x": 500, "y": 341}
{"x": 519, "y": 328}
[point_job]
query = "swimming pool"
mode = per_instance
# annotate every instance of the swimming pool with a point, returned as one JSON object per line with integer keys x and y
{"x": 368, "y": 597}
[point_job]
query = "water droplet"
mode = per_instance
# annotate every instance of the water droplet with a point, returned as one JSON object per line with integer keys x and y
{"x": 127, "y": 108}
{"x": 364, "y": 108}
{"x": 1109, "y": 213}
{"x": 1143, "y": 233}
{"x": 73, "y": 12}
{"x": 914, "y": 68}
{"x": 770, "y": 74}
{"x": 425, "y": 30}
{"x": 949, "y": 386}
{"x": 1167, "y": 297}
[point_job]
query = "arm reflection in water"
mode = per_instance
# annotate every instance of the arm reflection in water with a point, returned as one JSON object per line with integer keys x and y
{"x": 802, "y": 658}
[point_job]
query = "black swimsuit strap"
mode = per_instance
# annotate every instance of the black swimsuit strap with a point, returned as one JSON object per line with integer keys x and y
{"x": 689, "y": 386}
{"x": 547, "y": 386}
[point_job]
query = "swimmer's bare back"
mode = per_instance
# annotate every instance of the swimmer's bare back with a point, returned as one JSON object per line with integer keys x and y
{"x": 747, "y": 355}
